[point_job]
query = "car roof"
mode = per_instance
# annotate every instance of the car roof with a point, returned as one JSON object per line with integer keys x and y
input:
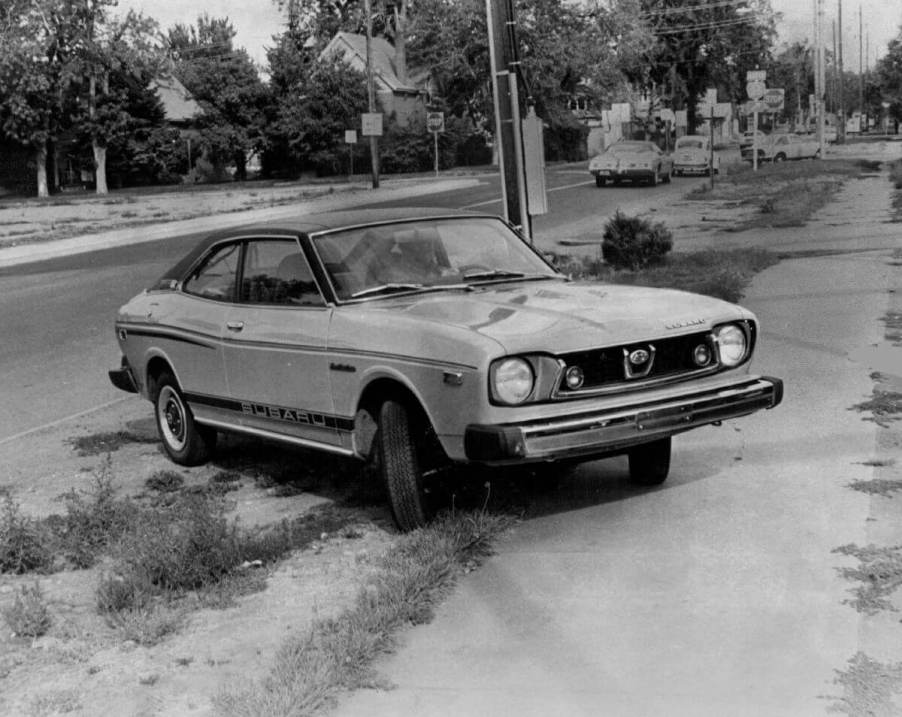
{"x": 309, "y": 224}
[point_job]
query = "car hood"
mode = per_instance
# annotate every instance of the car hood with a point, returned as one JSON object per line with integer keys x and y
{"x": 558, "y": 316}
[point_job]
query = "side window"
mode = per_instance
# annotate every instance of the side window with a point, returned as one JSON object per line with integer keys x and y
{"x": 276, "y": 272}
{"x": 215, "y": 277}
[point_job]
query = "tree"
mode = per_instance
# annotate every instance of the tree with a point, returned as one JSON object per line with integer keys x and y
{"x": 889, "y": 77}
{"x": 705, "y": 44}
{"x": 103, "y": 47}
{"x": 313, "y": 116}
{"x": 226, "y": 84}
{"x": 34, "y": 73}
{"x": 793, "y": 70}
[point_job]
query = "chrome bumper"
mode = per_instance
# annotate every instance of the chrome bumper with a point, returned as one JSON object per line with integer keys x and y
{"x": 615, "y": 430}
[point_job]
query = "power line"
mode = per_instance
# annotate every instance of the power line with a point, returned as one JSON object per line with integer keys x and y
{"x": 710, "y": 25}
{"x": 692, "y": 8}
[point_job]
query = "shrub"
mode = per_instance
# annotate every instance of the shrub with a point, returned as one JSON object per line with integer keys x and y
{"x": 28, "y": 616}
{"x": 634, "y": 243}
{"x": 23, "y": 544}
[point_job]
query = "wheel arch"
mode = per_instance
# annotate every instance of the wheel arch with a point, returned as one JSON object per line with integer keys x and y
{"x": 378, "y": 390}
{"x": 156, "y": 366}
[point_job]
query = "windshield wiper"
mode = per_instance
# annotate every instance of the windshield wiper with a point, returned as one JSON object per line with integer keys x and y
{"x": 385, "y": 289}
{"x": 504, "y": 274}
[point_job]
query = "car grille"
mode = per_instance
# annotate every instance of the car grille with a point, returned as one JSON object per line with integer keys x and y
{"x": 610, "y": 368}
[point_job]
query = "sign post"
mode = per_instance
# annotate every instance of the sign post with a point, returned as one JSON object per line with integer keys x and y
{"x": 755, "y": 88}
{"x": 435, "y": 123}
{"x": 350, "y": 140}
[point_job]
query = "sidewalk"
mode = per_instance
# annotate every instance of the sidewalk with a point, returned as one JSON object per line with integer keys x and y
{"x": 221, "y": 208}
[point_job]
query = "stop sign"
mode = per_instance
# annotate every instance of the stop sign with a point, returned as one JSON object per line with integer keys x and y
{"x": 773, "y": 98}
{"x": 435, "y": 121}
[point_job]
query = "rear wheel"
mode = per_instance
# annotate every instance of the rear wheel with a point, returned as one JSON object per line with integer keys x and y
{"x": 404, "y": 458}
{"x": 650, "y": 462}
{"x": 186, "y": 442}
{"x": 600, "y": 181}
{"x": 779, "y": 158}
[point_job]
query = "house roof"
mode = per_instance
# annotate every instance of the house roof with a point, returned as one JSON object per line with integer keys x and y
{"x": 178, "y": 104}
{"x": 353, "y": 48}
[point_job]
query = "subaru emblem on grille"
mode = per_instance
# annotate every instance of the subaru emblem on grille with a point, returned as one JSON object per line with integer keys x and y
{"x": 638, "y": 362}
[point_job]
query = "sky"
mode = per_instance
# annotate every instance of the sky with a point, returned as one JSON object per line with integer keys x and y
{"x": 256, "y": 21}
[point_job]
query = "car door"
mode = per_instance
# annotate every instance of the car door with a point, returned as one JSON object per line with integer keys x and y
{"x": 188, "y": 324}
{"x": 275, "y": 346}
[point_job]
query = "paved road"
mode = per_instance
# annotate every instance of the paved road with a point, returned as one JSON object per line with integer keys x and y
{"x": 57, "y": 314}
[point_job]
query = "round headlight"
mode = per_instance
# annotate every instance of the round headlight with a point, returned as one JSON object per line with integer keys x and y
{"x": 732, "y": 344}
{"x": 701, "y": 355}
{"x": 513, "y": 380}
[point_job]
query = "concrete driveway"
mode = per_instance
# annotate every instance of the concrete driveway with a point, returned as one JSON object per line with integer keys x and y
{"x": 719, "y": 593}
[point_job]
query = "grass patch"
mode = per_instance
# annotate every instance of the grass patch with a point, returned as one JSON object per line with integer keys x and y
{"x": 786, "y": 194}
{"x": 877, "y": 486}
{"x": 720, "y": 273}
{"x": 336, "y": 654}
{"x": 884, "y": 407}
{"x": 106, "y": 442}
{"x": 879, "y": 573}
{"x": 868, "y": 687}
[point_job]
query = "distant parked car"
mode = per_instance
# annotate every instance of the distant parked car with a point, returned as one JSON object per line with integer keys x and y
{"x": 423, "y": 339}
{"x": 747, "y": 138}
{"x": 634, "y": 161}
{"x": 692, "y": 155}
{"x": 780, "y": 147}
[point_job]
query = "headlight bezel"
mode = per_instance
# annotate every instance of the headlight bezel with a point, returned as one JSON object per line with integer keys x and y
{"x": 725, "y": 336}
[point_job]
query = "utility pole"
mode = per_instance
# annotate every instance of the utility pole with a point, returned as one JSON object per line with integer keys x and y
{"x": 371, "y": 91}
{"x": 841, "y": 90}
{"x": 860, "y": 68}
{"x": 505, "y": 65}
{"x": 833, "y": 68}
{"x": 819, "y": 71}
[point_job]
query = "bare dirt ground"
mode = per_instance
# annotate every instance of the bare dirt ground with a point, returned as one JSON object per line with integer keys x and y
{"x": 83, "y": 666}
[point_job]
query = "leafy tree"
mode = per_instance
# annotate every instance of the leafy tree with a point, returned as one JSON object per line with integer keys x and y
{"x": 226, "y": 84}
{"x": 889, "y": 77}
{"x": 312, "y": 117}
{"x": 704, "y": 44}
{"x": 34, "y": 73}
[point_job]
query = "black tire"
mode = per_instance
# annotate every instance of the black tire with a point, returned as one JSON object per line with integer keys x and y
{"x": 186, "y": 442}
{"x": 779, "y": 158}
{"x": 399, "y": 460}
{"x": 653, "y": 181}
{"x": 650, "y": 462}
{"x": 600, "y": 181}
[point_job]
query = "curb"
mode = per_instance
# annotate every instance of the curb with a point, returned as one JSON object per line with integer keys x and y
{"x": 42, "y": 251}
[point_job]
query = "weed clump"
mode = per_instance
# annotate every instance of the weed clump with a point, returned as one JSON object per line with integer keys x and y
{"x": 635, "y": 243}
{"x": 24, "y": 546}
{"x": 28, "y": 616}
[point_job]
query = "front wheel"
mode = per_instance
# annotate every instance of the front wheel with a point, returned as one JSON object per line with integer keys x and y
{"x": 779, "y": 158}
{"x": 650, "y": 462}
{"x": 600, "y": 181}
{"x": 186, "y": 442}
{"x": 400, "y": 459}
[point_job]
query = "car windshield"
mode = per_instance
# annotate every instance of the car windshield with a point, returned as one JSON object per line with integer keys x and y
{"x": 627, "y": 148}
{"x": 690, "y": 143}
{"x": 428, "y": 255}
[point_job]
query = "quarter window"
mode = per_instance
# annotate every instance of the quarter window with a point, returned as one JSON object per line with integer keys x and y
{"x": 215, "y": 277}
{"x": 276, "y": 272}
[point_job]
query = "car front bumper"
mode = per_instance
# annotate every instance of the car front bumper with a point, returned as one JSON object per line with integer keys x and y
{"x": 615, "y": 430}
{"x": 691, "y": 168}
{"x": 629, "y": 174}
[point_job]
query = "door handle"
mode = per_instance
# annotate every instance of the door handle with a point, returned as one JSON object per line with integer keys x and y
{"x": 234, "y": 325}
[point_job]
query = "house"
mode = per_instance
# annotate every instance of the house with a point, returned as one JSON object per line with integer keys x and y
{"x": 403, "y": 98}
{"x": 179, "y": 106}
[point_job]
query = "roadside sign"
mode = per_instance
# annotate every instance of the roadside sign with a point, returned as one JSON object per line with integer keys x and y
{"x": 350, "y": 136}
{"x": 773, "y": 98}
{"x": 756, "y": 76}
{"x": 681, "y": 118}
{"x": 435, "y": 121}
{"x": 371, "y": 124}
{"x": 750, "y": 107}
{"x": 755, "y": 89}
